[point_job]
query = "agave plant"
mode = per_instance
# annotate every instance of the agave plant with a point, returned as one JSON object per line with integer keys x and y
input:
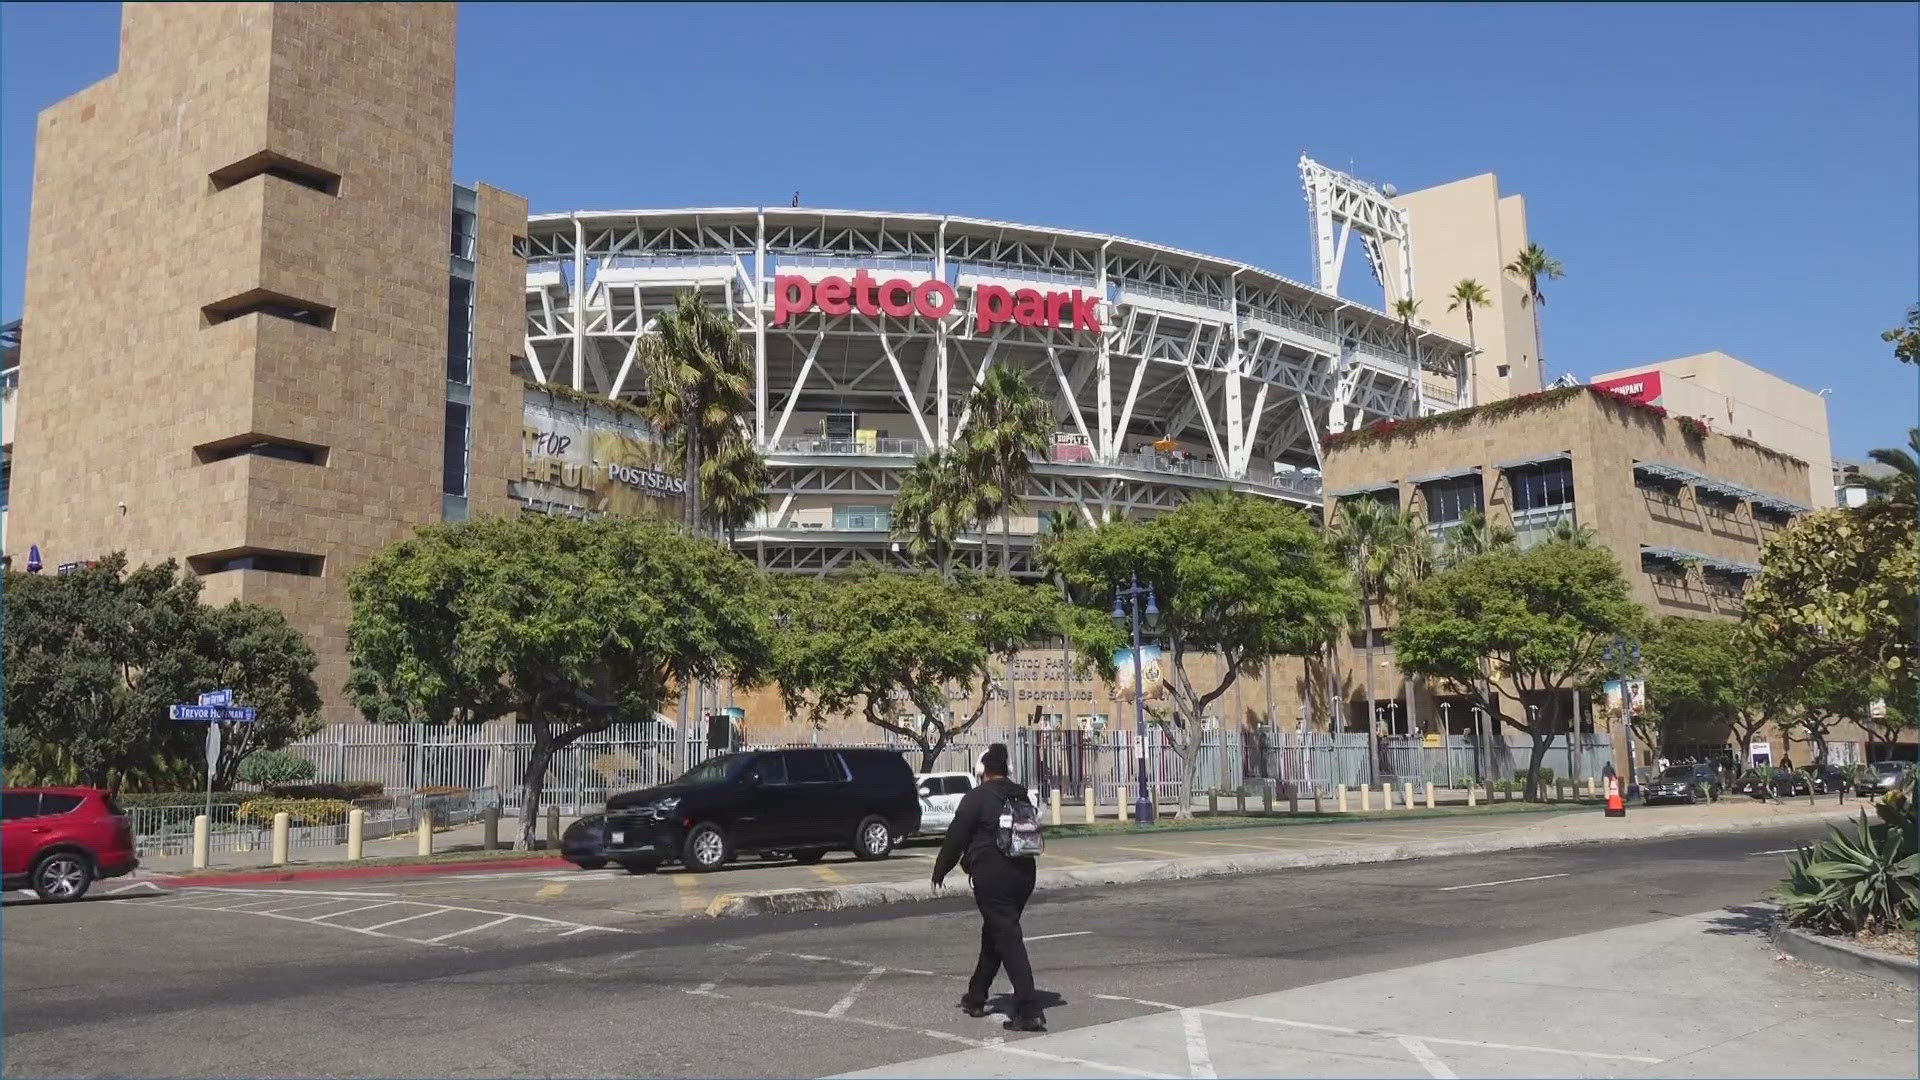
{"x": 1859, "y": 880}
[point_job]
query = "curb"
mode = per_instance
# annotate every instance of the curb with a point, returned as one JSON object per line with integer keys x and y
{"x": 840, "y": 897}
{"x": 263, "y": 877}
{"x": 1845, "y": 956}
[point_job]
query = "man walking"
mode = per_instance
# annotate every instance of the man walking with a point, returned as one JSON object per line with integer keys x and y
{"x": 980, "y": 840}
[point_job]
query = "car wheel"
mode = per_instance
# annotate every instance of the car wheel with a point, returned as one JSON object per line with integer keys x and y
{"x": 707, "y": 848}
{"x": 640, "y": 866}
{"x": 1693, "y": 796}
{"x": 808, "y": 858}
{"x": 590, "y": 864}
{"x": 872, "y": 838}
{"x": 62, "y": 876}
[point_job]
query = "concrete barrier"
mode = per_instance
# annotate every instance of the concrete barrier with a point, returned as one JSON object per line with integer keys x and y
{"x": 356, "y": 834}
{"x": 1053, "y": 803}
{"x": 1407, "y": 802}
{"x": 490, "y": 829}
{"x": 553, "y": 828}
{"x": 1846, "y": 956}
{"x": 1341, "y": 795}
{"x": 281, "y": 824}
{"x": 201, "y": 838}
{"x": 1093, "y": 808}
{"x": 423, "y": 844}
{"x": 1429, "y": 795}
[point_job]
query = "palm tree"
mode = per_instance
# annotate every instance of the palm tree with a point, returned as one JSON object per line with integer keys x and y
{"x": 1900, "y": 486}
{"x": 1566, "y": 531}
{"x": 1009, "y": 421}
{"x": 1474, "y": 534}
{"x": 932, "y": 508}
{"x": 1469, "y": 294}
{"x": 1532, "y": 264}
{"x": 699, "y": 385}
{"x": 733, "y": 484}
{"x": 1387, "y": 554}
{"x": 1406, "y": 309}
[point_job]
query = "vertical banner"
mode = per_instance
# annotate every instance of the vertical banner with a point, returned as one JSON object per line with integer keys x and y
{"x": 1125, "y": 688}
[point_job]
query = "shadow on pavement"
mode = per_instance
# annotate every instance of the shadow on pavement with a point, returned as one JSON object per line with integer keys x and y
{"x": 1747, "y": 920}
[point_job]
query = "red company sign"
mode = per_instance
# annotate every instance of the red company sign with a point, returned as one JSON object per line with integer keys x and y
{"x": 1643, "y": 389}
{"x": 898, "y": 298}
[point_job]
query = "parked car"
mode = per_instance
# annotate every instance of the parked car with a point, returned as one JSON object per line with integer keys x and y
{"x": 1783, "y": 783}
{"x": 1825, "y": 779}
{"x": 1881, "y": 777}
{"x": 584, "y": 844}
{"x": 940, "y": 795}
{"x": 1683, "y": 783}
{"x": 799, "y": 803}
{"x": 58, "y": 841}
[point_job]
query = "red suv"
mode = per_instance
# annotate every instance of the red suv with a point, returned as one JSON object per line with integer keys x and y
{"x": 58, "y": 840}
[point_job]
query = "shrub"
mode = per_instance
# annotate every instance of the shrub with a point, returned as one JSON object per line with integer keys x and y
{"x": 301, "y": 811}
{"x": 128, "y": 801}
{"x": 1859, "y": 880}
{"x": 1546, "y": 776}
{"x": 271, "y": 767}
{"x": 439, "y": 792}
{"x": 349, "y": 791}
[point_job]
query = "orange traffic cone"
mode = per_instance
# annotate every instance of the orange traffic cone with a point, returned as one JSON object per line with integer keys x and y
{"x": 1616, "y": 806}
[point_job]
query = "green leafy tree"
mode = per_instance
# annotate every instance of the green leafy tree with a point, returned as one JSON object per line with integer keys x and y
{"x": 573, "y": 626}
{"x": 93, "y": 659}
{"x": 1531, "y": 266}
{"x": 1008, "y": 421}
{"x": 1905, "y": 339}
{"x": 1387, "y": 553}
{"x": 1474, "y": 534}
{"x": 1715, "y": 674}
{"x": 897, "y": 649}
{"x": 1839, "y": 587}
{"x": 699, "y": 385}
{"x": 933, "y": 507}
{"x": 733, "y": 484}
{"x": 1236, "y": 577}
{"x": 1538, "y": 618}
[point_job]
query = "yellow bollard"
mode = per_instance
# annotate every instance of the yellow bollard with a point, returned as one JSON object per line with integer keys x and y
{"x": 424, "y": 834}
{"x": 1473, "y": 793}
{"x": 356, "y": 833}
{"x": 1386, "y": 796}
{"x": 281, "y": 824}
{"x": 1055, "y": 804}
{"x": 1429, "y": 795}
{"x": 1093, "y": 808}
{"x": 200, "y": 839}
{"x": 1341, "y": 805}
{"x": 1366, "y": 798}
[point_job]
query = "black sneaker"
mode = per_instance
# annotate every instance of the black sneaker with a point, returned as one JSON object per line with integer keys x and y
{"x": 971, "y": 1009}
{"x": 1025, "y": 1023}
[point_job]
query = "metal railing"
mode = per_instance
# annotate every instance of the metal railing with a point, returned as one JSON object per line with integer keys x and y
{"x": 168, "y": 830}
{"x": 874, "y": 447}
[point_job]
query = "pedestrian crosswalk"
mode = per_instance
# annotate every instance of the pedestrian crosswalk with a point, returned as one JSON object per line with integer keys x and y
{"x": 379, "y": 914}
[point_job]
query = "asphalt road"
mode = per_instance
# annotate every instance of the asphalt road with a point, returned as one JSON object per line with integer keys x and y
{"x": 368, "y": 982}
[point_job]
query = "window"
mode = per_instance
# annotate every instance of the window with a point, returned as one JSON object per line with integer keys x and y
{"x": 953, "y": 785}
{"x": 19, "y": 804}
{"x": 840, "y": 425}
{"x": 464, "y": 225}
{"x": 453, "y": 469}
{"x": 772, "y": 770}
{"x": 6, "y": 481}
{"x": 459, "y": 329}
{"x": 58, "y": 804}
{"x": 273, "y": 562}
{"x": 262, "y": 302}
{"x": 1451, "y": 498}
{"x": 1502, "y": 370}
{"x": 814, "y": 767}
{"x": 280, "y": 167}
{"x": 1541, "y": 486}
{"x": 860, "y": 518}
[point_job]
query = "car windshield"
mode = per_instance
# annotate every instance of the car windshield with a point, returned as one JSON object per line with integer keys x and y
{"x": 1888, "y": 766}
{"x": 1677, "y": 772}
{"x": 712, "y": 770}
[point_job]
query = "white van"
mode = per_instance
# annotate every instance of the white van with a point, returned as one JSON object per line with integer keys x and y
{"x": 940, "y": 795}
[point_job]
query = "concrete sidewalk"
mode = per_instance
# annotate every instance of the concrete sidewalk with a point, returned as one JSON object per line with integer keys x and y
{"x": 1703, "y": 995}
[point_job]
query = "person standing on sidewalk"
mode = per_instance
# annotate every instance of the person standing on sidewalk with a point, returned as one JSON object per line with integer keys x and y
{"x": 1002, "y": 884}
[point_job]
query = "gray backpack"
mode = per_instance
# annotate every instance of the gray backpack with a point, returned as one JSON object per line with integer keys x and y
{"x": 1019, "y": 836}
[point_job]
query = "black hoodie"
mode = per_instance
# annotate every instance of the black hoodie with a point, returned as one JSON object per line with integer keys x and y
{"x": 975, "y": 832}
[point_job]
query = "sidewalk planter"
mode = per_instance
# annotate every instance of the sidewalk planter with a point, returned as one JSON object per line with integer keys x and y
{"x": 1840, "y": 955}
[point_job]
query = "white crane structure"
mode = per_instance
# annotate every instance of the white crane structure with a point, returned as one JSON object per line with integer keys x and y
{"x": 1234, "y": 372}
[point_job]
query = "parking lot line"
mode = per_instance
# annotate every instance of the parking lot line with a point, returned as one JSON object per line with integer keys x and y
{"x": 1506, "y": 881}
{"x": 410, "y": 918}
{"x": 550, "y": 890}
{"x": 1070, "y": 860}
{"x": 1154, "y": 851}
{"x": 828, "y": 874}
{"x": 470, "y": 929}
{"x": 692, "y": 897}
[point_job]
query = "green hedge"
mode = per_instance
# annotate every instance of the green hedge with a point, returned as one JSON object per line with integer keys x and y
{"x": 260, "y": 811}
{"x": 349, "y": 791}
{"x": 181, "y": 798}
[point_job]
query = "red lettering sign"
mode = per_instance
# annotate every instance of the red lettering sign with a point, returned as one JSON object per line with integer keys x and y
{"x": 1643, "y": 388}
{"x": 899, "y": 299}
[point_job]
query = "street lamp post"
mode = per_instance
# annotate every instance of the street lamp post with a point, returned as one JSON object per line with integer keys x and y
{"x": 1126, "y": 603}
{"x": 1625, "y": 657}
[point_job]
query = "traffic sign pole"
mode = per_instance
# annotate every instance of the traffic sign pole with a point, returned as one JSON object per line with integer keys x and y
{"x": 213, "y": 759}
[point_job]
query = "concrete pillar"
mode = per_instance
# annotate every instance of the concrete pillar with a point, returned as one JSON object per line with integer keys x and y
{"x": 1472, "y": 794}
{"x": 490, "y": 828}
{"x": 1316, "y": 800}
{"x": 1340, "y": 802}
{"x": 553, "y": 828}
{"x": 356, "y": 833}
{"x": 1366, "y": 798}
{"x": 281, "y": 827}
{"x": 1407, "y": 803}
{"x": 200, "y": 841}
{"x": 1242, "y": 796}
{"x": 1589, "y": 787}
{"x": 1266, "y": 796}
{"x": 423, "y": 836}
{"x": 1213, "y": 804}
{"x": 1092, "y": 807}
{"x": 1054, "y": 805}
{"x": 1386, "y": 796}
{"x": 1429, "y": 795}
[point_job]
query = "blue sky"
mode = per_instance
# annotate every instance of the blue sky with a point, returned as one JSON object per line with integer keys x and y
{"x": 1725, "y": 176}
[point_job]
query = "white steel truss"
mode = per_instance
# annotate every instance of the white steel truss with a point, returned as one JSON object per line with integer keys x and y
{"x": 1241, "y": 368}
{"x": 1341, "y": 205}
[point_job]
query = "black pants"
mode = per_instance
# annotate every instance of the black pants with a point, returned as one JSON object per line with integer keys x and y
{"x": 1001, "y": 888}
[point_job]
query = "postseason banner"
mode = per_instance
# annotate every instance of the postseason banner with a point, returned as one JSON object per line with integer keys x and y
{"x": 590, "y": 459}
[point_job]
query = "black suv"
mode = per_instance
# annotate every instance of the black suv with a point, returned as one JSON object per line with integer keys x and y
{"x": 801, "y": 803}
{"x": 1683, "y": 783}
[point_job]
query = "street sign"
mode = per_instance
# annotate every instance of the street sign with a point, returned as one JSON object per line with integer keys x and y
{"x": 213, "y": 747}
{"x": 217, "y": 697}
{"x": 233, "y": 714}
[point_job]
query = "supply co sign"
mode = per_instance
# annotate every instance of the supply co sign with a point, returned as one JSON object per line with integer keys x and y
{"x": 898, "y": 298}
{"x": 1643, "y": 388}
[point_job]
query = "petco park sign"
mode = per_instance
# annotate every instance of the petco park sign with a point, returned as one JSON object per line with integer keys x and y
{"x": 899, "y": 298}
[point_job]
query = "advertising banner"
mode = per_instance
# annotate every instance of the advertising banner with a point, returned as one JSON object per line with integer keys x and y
{"x": 1126, "y": 688}
{"x": 1643, "y": 388}
{"x": 593, "y": 460}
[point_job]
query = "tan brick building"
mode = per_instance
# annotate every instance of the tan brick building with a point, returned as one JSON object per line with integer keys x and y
{"x": 1685, "y": 512}
{"x": 249, "y": 339}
